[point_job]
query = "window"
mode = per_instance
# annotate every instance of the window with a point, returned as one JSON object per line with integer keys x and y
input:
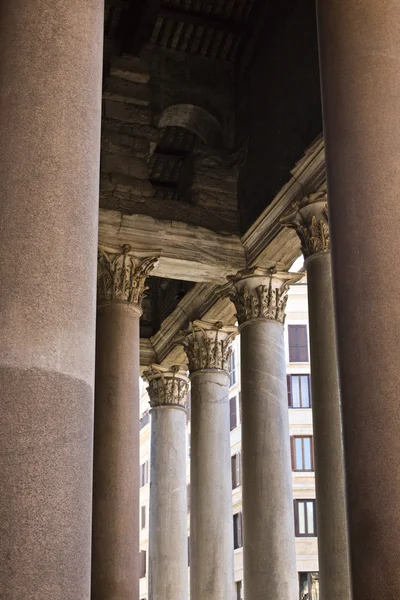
{"x": 188, "y": 497}
{"x": 302, "y": 453}
{"x": 309, "y": 586}
{"x": 298, "y": 345}
{"x": 299, "y": 391}
{"x": 144, "y": 473}
{"x": 232, "y": 369}
{"x": 239, "y": 587}
{"x": 304, "y": 514}
{"x": 144, "y": 419}
{"x": 188, "y": 550}
{"x": 236, "y": 471}
{"x": 233, "y": 413}
{"x": 142, "y": 564}
{"x": 237, "y": 531}
{"x": 143, "y": 517}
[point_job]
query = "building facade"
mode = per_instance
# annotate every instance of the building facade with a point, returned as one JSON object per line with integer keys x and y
{"x": 301, "y": 444}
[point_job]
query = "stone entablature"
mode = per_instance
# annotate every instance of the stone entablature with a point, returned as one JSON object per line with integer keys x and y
{"x": 208, "y": 345}
{"x": 168, "y": 385}
{"x": 260, "y": 294}
{"x": 122, "y": 276}
{"x": 310, "y": 221}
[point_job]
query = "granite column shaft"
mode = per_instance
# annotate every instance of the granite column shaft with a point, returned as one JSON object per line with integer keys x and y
{"x": 115, "y": 538}
{"x": 310, "y": 220}
{"x": 268, "y": 519}
{"x": 168, "y": 514}
{"x": 359, "y": 56}
{"x": 50, "y": 116}
{"x": 211, "y": 520}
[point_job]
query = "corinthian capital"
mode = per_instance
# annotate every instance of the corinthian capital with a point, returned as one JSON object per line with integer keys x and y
{"x": 168, "y": 386}
{"x": 122, "y": 276}
{"x": 208, "y": 345}
{"x": 260, "y": 294}
{"x": 310, "y": 221}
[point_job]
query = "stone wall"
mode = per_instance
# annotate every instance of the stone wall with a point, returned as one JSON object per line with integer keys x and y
{"x": 137, "y": 100}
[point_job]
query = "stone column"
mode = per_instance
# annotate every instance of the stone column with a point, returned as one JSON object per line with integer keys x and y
{"x": 310, "y": 220}
{"x": 50, "y": 101}
{"x": 359, "y": 55}
{"x": 115, "y": 546}
{"x": 268, "y": 519}
{"x": 211, "y": 519}
{"x": 168, "y": 530}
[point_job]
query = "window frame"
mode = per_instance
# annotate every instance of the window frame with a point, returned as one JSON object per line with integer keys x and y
{"x": 231, "y": 400}
{"x": 142, "y": 564}
{"x": 297, "y": 327}
{"x": 236, "y": 470}
{"x": 232, "y": 369}
{"x": 298, "y": 501}
{"x": 290, "y": 387}
{"x": 293, "y": 453}
{"x": 237, "y": 530}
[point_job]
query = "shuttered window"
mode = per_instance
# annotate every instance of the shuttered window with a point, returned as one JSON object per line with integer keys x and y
{"x": 143, "y": 517}
{"x": 298, "y": 343}
{"x": 232, "y": 369}
{"x": 233, "y": 413}
{"x": 302, "y": 453}
{"x": 299, "y": 391}
{"x": 237, "y": 531}
{"x": 144, "y": 473}
{"x": 239, "y": 587}
{"x": 305, "y": 521}
{"x": 236, "y": 470}
{"x": 142, "y": 564}
{"x": 188, "y": 497}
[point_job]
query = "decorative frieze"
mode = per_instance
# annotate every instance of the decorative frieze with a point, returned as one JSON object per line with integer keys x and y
{"x": 310, "y": 221}
{"x": 168, "y": 385}
{"x": 260, "y": 293}
{"x": 208, "y": 345}
{"x": 122, "y": 276}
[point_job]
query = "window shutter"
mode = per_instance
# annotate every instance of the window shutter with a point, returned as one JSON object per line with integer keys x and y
{"x": 289, "y": 389}
{"x": 302, "y": 343}
{"x": 309, "y": 391}
{"x": 292, "y": 335}
{"x": 239, "y": 468}
{"x": 233, "y": 415}
{"x": 240, "y": 529}
{"x": 188, "y": 497}
{"x": 233, "y": 470}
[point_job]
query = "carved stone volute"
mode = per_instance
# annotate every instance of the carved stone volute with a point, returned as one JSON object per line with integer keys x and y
{"x": 310, "y": 221}
{"x": 121, "y": 276}
{"x": 260, "y": 294}
{"x": 208, "y": 345}
{"x": 168, "y": 385}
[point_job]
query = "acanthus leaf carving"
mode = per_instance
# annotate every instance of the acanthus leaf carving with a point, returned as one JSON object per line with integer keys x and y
{"x": 310, "y": 221}
{"x": 259, "y": 294}
{"x": 122, "y": 276}
{"x": 168, "y": 386}
{"x": 208, "y": 345}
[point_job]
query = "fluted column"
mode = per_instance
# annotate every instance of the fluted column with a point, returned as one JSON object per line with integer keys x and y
{"x": 211, "y": 522}
{"x": 50, "y": 116}
{"x": 310, "y": 221}
{"x": 115, "y": 558}
{"x": 168, "y": 546}
{"x": 359, "y": 45}
{"x": 268, "y": 520}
